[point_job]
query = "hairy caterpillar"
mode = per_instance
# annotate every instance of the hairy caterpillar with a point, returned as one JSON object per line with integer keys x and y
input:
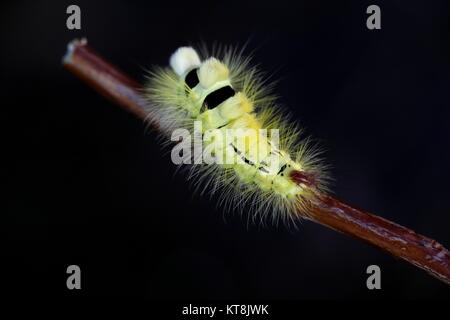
{"x": 222, "y": 92}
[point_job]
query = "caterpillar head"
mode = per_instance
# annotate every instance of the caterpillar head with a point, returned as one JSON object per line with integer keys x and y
{"x": 210, "y": 71}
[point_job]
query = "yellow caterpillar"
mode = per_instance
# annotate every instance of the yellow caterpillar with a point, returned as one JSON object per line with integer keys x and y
{"x": 223, "y": 93}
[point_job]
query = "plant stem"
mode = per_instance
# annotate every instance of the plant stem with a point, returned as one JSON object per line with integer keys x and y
{"x": 399, "y": 241}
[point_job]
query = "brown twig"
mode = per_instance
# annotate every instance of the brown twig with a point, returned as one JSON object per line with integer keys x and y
{"x": 401, "y": 242}
{"x": 112, "y": 83}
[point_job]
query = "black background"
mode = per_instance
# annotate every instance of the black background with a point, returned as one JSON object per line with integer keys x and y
{"x": 87, "y": 184}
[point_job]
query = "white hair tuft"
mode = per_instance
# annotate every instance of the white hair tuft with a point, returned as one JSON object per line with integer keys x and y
{"x": 184, "y": 59}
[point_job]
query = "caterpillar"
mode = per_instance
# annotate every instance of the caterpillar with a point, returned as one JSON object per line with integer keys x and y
{"x": 222, "y": 92}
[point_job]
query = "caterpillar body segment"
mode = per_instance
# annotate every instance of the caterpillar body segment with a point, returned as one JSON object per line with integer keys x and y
{"x": 225, "y": 96}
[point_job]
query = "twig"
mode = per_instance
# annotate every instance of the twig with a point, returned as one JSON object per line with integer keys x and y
{"x": 399, "y": 241}
{"x": 112, "y": 83}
